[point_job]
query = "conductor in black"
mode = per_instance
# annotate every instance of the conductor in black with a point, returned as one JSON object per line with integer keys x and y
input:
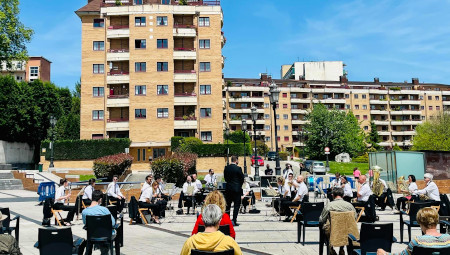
{"x": 234, "y": 178}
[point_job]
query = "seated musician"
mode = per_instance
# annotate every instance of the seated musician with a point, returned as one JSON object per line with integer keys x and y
{"x": 87, "y": 196}
{"x": 283, "y": 193}
{"x": 158, "y": 199}
{"x": 161, "y": 190}
{"x": 114, "y": 194}
{"x": 412, "y": 187}
{"x": 292, "y": 185}
{"x": 199, "y": 185}
{"x": 147, "y": 183}
{"x": 146, "y": 201}
{"x": 60, "y": 200}
{"x": 187, "y": 196}
{"x": 431, "y": 192}
{"x": 348, "y": 193}
{"x": 246, "y": 193}
{"x": 301, "y": 196}
{"x": 335, "y": 183}
{"x": 211, "y": 179}
{"x": 363, "y": 193}
{"x": 382, "y": 198}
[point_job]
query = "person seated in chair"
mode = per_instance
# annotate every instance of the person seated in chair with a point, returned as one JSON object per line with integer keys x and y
{"x": 412, "y": 187}
{"x": 211, "y": 240}
{"x": 114, "y": 194}
{"x": 199, "y": 185}
{"x": 301, "y": 196}
{"x": 184, "y": 196}
{"x": 382, "y": 198}
{"x": 431, "y": 192}
{"x": 60, "y": 199}
{"x": 428, "y": 218}
{"x": 158, "y": 199}
{"x": 8, "y": 244}
{"x": 284, "y": 195}
{"x": 348, "y": 193}
{"x": 246, "y": 193}
{"x": 148, "y": 183}
{"x": 87, "y": 196}
{"x": 161, "y": 191}
{"x": 146, "y": 201}
{"x": 211, "y": 179}
{"x": 335, "y": 183}
{"x": 364, "y": 191}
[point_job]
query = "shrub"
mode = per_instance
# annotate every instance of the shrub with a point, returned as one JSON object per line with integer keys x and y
{"x": 111, "y": 165}
{"x": 283, "y": 155}
{"x": 238, "y": 137}
{"x": 189, "y": 161}
{"x": 175, "y": 168}
{"x": 85, "y": 149}
{"x": 220, "y": 150}
{"x": 361, "y": 159}
{"x": 175, "y": 142}
{"x": 187, "y": 143}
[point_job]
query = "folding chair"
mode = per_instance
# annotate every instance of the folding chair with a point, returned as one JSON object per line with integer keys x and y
{"x": 225, "y": 229}
{"x": 55, "y": 214}
{"x": 100, "y": 230}
{"x": 430, "y": 251}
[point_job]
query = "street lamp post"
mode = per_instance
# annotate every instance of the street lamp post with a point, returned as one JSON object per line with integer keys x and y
{"x": 274, "y": 94}
{"x": 300, "y": 140}
{"x": 254, "y": 118}
{"x": 52, "y": 124}
{"x": 325, "y": 135}
{"x": 227, "y": 134}
{"x": 244, "y": 128}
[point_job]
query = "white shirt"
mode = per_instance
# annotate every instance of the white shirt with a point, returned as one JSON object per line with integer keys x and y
{"x": 412, "y": 187}
{"x": 384, "y": 184}
{"x": 210, "y": 179}
{"x": 199, "y": 185}
{"x": 185, "y": 188}
{"x": 246, "y": 188}
{"x": 348, "y": 190}
{"x": 60, "y": 192}
{"x": 88, "y": 192}
{"x": 364, "y": 192}
{"x": 162, "y": 185}
{"x": 286, "y": 174}
{"x": 430, "y": 190}
{"x": 145, "y": 186}
{"x": 146, "y": 194}
{"x": 302, "y": 191}
{"x": 336, "y": 183}
{"x": 113, "y": 190}
{"x": 293, "y": 186}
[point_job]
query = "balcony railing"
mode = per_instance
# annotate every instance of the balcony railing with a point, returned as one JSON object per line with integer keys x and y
{"x": 118, "y": 50}
{"x": 118, "y": 73}
{"x": 184, "y": 49}
{"x": 118, "y": 120}
{"x": 184, "y": 26}
{"x": 119, "y": 27}
{"x": 186, "y": 118}
{"x": 184, "y": 71}
{"x": 185, "y": 94}
{"x": 200, "y": 2}
{"x": 118, "y": 96}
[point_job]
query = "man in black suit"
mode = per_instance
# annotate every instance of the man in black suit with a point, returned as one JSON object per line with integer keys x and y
{"x": 234, "y": 178}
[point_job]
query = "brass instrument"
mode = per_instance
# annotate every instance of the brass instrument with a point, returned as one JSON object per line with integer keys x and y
{"x": 402, "y": 185}
{"x": 377, "y": 187}
{"x": 424, "y": 197}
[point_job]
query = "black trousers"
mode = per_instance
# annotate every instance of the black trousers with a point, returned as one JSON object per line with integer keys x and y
{"x": 120, "y": 203}
{"x": 401, "y": 203}
{"x": 347, "y": 198}
{"x": 278, "y": 204}
{"x": 161, "y": 207}
{"x": 233, "y": 197}
{"x": 285, "y": 207}
{"x": 87, "y": 202}
{"x": 252, "y": 200}
{"x": 381, "y": 199}
{"x": 68, "y": 208}
{"x": 153, "y": 207}
{"x": 189, "y": 199}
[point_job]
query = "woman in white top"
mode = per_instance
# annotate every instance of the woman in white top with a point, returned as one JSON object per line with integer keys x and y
{"x": 87, "y": 196}
{"x": 60, "y": 200}
{"x": 348, "y": 193}
{"x": 283, "y": 191}
{"x": 401, "y": 201}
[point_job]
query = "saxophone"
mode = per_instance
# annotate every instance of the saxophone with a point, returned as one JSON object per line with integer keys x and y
{"x": 377, "y": 187}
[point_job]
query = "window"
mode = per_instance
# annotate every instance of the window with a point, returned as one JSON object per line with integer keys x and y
{"x": 423, "y": 117}
{"x": 285, "y": 116}
{"x": 422, "y": 107}
{"x": 430, "y": 97}
{"x": 165, "y": 1}
{"x": 163, "y": 112}
{"x": 286, "y": 138}
{"x": 99, "y": 45}
{"x": 278, "y": 127}
{"x": 140, "y": 44}
{"x": 356, "y": 96}
{"x": 266, "y": 116}
{"x": 284, "y": 106}
{"x": 204, "y": 44}
{"x": 316, "y": 96}
{"x": 286, "y": 127}
{"x": 356, "y": 106}
{"x": 278, "y": 138}
{"x": 364, "y": 117}
{"x": 162, "y": 66}
{"x": 347, "y": 96}
{"x": 140, "y": 67}
{"x": 203, "y": 22}
{"x": 205, "y": 112}
{"x": 363, "y": 96}
{"x": 364, "y": 107}
{"x": 325, "y": 96}
{"x": 436, "y": 98}
{"x": 267, "y": 138}
{"x": 143, "y": 154}
{"x": 140, "y": 113}
{"x": 205, "y": 67}
{"x": 139, "y": 21}
{"x": 138, "y": 2}
{"x": 266, "y": 105}
{"x": 162, "y": 89}
{"x": 267, "y": 127}
{"x": 293, "y": 95}
{"x": 278, "y": 116}
{"x": 139, "y": 154}
{"x": 162, "y": 43}
{"x": 140, "y": 90}
{"x": 99, "y": 23}
{"x": 161, "y": 21}
{"x": 421, "y": 97}
{"x": 97, "y": 115}
{"x": 430, "y": 108}
{"x": 98, "y": 91}
{"x": 357, "y": 117}
{"x": 284, "y": 94}
{"x": 244, "y": 106}
{"x": 99, "y": 68}
{"x": 97, "y": 136}
{"x": 232, "y": 105}
{"x": 438, "y": 108}
{"x": 206, "y": 135}
{"x": 366, "y": 128}
{"x": 34, "y": 71}
{"x": 205, "y": 89}
{"x": 347, "y": 106}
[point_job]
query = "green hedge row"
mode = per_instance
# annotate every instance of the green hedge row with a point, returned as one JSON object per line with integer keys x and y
{"x": 220, "y": 150}
{"x": 85, "y": 149}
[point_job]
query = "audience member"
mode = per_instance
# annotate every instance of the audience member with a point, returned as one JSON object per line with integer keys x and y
{"x": 211, "y": 240}
{"x": 401, "y": 201}
{"x": 431, "y": 191}
{"x": 114, "y": 194}
{"x": 87, "y": 196}
{"x": 60, "y": 200}
{"x": 233, "y": 191}
{"x": 216, "y": 197}
{"x": 428, "y": 218}
{"x": 268, "y": 171}
{"x": 356, "y": 173}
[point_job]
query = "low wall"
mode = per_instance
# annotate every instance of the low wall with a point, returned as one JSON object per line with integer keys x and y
{"x": 218, "y": 164}
{"x": 16, "y": 153}
{"x": 68, "y": 164}
{"x": 28, "y": 183}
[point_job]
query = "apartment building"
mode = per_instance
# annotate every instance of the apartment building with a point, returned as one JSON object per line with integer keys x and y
{"x": 34, "y": 68}
{"x": 151, "y": 69}
{"x": 395, "y": 108}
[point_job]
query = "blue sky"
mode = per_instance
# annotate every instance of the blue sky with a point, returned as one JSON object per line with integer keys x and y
{"x": 392, "y": 40}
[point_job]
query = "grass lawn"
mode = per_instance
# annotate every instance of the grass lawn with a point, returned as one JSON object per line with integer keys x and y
{"x": 347, "y": 168}
{"x": 86, "y": 177}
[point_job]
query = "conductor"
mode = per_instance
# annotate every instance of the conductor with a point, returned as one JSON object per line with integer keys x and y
{"x": 234, "y": 178}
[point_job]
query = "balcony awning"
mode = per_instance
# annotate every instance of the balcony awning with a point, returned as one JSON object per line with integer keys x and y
{"x": 149, "y": 144}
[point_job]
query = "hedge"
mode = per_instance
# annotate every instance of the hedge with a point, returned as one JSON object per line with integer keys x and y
{"x": 85, "y": 149}
{"x": 175, "y": 142}
{"x": 220, "y": 150}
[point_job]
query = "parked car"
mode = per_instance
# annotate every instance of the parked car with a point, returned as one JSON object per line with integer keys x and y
{"x": 318, "y": 167}
{"x": 259, "y": 159}
{"x": 272, "y": 155}
{"x": 308, "y": 164}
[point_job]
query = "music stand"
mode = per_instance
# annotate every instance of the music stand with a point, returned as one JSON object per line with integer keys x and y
{"x": 272, "y": 195}
{"x": 172, "y": 189}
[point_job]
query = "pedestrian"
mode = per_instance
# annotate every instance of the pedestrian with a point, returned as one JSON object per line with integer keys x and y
{"x": 356, "y": 173}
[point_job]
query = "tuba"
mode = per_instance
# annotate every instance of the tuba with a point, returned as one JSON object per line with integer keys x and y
{"x": 402, "y": 185}
{"x": 377, "y": 187}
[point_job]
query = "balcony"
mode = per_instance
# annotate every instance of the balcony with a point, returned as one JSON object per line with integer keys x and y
{"x": 185, "y": 122}
{"x": 409, "y": 132}
{"x": 185, "y": 99}
{"x": 299, "y": 122}
{"x": 118, "y": 124}
{"x": 382, "y": 112}
{"x": 118, "y": 32}
{"x": 405, "y": 122}
{"x": 378, "y": 91}
{"x": 118, "y": 101}
{"x": 385, "y": 144}
{"x": 300, "y": 100}
{"x": 258, "y": 132}
{"x": 223, "y": 39}
{"x": 299, "y": 111}
{"x": 446, "y": 102}
{"x": 378, "y": 101}
{"x": 298, "y": 144}
{"x": 184, "y": 31}
{"x": 185, "y": 76}
{"x": 404, "y": 102}
{"x": 118, "y": 55}
{"x": 253, "y": 99}
{"x": 184, "y": 54}
{"x": 384, "y": 133}
{"x": 118, "y": 77}
{"x": 245, "y": 110}
{"x": 332, "y": 101}
{"x": 406, "y": 112}
{"x": 381, "y": 122}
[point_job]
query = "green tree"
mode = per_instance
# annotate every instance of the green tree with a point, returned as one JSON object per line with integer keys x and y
{"x": 433, "y": 135}
{"x": 261, "y": 148}
{"x": 396, "y": 147}
{"x": 238, "y": 137}
{"x": 338, "y": 130}
{"x": 373, "y": 138}
{"x": 13, "y": 34}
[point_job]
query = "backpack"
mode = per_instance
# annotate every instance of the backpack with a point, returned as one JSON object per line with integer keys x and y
{"x": 47, "y": 211}
{"x": 445, "y": 206}
{"x": 133, "y": 210}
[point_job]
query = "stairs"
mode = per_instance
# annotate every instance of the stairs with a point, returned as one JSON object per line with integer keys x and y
{"x": 7, "y": 181}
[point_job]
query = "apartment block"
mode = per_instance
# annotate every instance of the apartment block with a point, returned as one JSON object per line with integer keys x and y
{"x": 151, "y": 69}
{"x": 34, "y": 68}
{"x": 395, "y": 108}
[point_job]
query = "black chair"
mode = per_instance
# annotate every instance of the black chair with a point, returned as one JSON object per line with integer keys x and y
{"x": 225, "y": 229}
{"x": 311, "y": 214}
{"x": 412, "y": 222}
{"x": 100, "y": 231}
{"x": 372, "y": 237}
{"x": 444, "y": 221}
{"x": 60, "y": 240}
{"x": 430, "y": 251}
{"x": 199, "y": 252}
{"x": 6, "y": 224}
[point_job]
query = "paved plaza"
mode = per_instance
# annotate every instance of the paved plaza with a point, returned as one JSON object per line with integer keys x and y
{"x": 255, "y": 235}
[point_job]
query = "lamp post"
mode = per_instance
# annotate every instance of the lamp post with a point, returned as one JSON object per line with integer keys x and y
{"x": 327, "y": 149}
{"x": 254, "y": 118}
{"x": 300, "y": 139}
{"x": 244, "y": 128}
{"x": 227, "y": 134}
{"x": 274, "y": 94}
{"x": 52, "y": 124}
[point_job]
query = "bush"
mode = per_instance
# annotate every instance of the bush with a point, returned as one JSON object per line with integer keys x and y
{"x": 238, "y": 137}
{"x": 187, "y": 143}
{"x": 220, "y": 150}
{"x": 361, "y": 159}
{"x": 283, "y": 155}
{"x": 175, "y": 142}
{"x": 175, "y": 168}
{"x": 111, "y": 165}
{"x": 189, "y": 161}
{"x": 85, "y": 149}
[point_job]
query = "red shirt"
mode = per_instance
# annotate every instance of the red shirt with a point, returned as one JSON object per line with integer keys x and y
{"x": 224, "y": 221}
